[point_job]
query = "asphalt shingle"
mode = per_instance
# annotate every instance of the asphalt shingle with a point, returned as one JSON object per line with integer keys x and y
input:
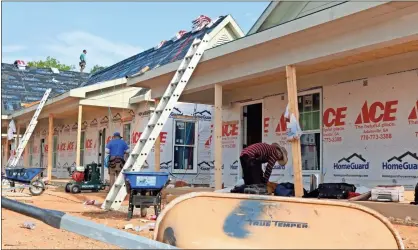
{"x": 29, "y": 85}
{"x": 171, "y": 51}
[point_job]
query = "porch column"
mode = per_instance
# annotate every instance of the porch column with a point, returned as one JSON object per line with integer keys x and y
{"x": 217, "y": 130}
{"x": 80, "y": 115}
{"x": 157, "y": 152}
{"x": 50, "y": 145}
{"x": 292, "y": 96}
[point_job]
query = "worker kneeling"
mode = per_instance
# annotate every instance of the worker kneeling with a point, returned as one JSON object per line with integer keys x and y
{"x": 252, "y": 158}
{"x": 116, "y": 150}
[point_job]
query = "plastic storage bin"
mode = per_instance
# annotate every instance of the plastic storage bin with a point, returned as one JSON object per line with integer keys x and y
{"x": 146, "y": 180}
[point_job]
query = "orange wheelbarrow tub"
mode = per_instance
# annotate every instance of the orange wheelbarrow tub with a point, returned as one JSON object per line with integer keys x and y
{"x": 205, "y": 220}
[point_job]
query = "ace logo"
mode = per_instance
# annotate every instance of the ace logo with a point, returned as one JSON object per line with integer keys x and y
{"x": 280, "y": 128}
{"x": 46, "y": 148}
{"x": 377, "y": 112}
{"x": 335, "y": 117}
{"x": 89, "y": 143}
{"x": 62, "y": 146}
{"x": 414, "y": 113}
{"x": 137, "y": 135}
{"x": 228, "y": 129}
{"x": 70, "y": 146}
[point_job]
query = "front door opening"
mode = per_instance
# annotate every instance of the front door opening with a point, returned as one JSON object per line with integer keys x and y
{"x": 253, "y": 122}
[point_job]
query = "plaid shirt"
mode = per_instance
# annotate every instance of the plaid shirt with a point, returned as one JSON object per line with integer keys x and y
{"x": 263, "y": 152}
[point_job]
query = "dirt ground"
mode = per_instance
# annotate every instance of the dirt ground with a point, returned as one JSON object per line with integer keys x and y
{"x": 14, "y": 236}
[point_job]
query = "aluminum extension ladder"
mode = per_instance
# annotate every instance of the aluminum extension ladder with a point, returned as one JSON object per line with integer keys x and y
{"x": 155, "y": 124}
{"x": 14, "y": 159}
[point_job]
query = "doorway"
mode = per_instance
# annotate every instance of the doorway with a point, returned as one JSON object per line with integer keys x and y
{"x": 101, "y": 155}
{"x": 252, "y": 124}
{"x": 42, "y": 153}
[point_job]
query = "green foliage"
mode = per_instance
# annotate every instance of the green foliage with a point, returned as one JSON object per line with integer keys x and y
{"x": 96, "y": 68}
{"x": 51, "y": 63}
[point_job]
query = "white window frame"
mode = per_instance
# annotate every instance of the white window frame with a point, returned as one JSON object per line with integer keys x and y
{"x": 319, "y": 130}
{"x": 195, "y": 147}
{"x": 130, "y": 133}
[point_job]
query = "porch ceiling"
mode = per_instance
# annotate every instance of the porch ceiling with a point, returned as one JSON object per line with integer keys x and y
{"x": 306, "y": 68}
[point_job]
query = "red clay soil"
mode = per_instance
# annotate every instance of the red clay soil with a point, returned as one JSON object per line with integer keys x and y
{"x": 14, "y": 236}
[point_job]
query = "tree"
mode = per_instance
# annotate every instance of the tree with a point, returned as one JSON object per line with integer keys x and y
{"x": 51, "y": 63}
{"x": 96, "y": 68}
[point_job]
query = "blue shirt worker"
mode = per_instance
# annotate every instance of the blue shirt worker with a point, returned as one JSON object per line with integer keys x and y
{"x": 116, "y": 148}
{"x": 83, "y": 60}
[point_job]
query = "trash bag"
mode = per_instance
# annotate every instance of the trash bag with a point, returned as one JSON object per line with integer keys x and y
{"x": 293, "y": 129}
{"x": 287, "y": 189}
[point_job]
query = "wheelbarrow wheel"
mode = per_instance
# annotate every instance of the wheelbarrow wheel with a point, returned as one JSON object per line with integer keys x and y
{"x": 37, "y": 188}
{"x": 144, "y": 211}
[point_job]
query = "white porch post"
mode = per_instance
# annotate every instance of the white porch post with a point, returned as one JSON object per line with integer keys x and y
{"x": 80, "y": 115}
{"x": 292, "y": 96}
{"x": 217, "y": 129}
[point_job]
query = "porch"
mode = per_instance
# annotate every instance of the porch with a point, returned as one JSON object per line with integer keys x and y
{"x": 326, "y": 48}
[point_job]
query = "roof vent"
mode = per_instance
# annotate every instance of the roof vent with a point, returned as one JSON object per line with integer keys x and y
{"x": 55, "y": 70}
{"x": 20, "y": 64}
{"x": 200, "y": 22}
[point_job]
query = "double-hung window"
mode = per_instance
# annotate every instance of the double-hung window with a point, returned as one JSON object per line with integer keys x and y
{"x": 309, "y": 105}
{"x": 185, "y": 147}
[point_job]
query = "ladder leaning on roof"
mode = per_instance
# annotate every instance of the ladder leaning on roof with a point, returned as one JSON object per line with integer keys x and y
{"x": 14, "y": 159}
{"x": 156, "y": 122}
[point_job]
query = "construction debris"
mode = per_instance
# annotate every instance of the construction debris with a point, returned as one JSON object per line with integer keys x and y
{"x": 29, "y": 225}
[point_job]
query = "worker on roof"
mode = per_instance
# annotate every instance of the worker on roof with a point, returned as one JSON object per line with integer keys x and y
{"x": 83, "y": 60}
{"x": 252, "y": 158}
{"x": 116, "y": 149}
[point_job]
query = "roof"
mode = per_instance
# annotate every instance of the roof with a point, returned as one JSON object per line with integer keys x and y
{"x": 171, "y": 51}
{"x": 29, "y": 85}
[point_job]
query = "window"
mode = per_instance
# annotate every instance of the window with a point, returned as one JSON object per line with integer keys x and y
{"x": 184, "y": 147}
{"x": 310, "y": 150}
{"x": 55, "y": 152}
{"x": 309, "y": 112}
{"x": 127, "y": 133}
{"x": 310, "y": 122}
{"x": 82, "y": 138}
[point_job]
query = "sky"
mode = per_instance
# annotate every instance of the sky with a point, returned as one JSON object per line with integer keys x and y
{"x": 109, "y": 31}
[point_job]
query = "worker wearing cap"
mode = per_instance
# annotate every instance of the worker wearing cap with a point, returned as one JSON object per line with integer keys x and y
{"x": 82, "y": 62}
{"x": 116, "y": 148}
{"x": 252, "y": 158}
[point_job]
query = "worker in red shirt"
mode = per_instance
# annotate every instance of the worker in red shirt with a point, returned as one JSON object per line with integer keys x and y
{"x": 252, "y": 158}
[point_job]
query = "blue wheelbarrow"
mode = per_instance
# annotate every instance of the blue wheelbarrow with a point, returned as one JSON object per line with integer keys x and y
{"x": 144, "y": 189}
{"x": 29, "y": 177}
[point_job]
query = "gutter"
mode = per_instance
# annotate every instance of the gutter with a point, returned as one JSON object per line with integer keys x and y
{"x": 34, "y": 107}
